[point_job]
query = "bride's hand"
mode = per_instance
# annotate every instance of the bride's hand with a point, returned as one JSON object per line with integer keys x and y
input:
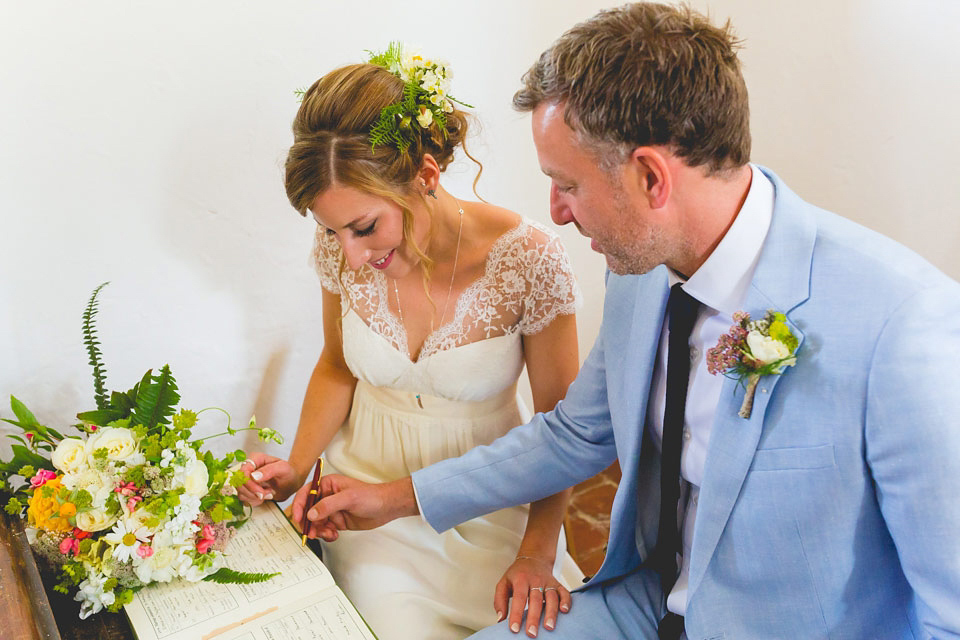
{"x": 522, "y": 583}
{"x": 268, "y": 478}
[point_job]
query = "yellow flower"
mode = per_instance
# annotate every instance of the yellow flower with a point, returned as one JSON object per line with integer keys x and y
{"x": 45, "y": 512}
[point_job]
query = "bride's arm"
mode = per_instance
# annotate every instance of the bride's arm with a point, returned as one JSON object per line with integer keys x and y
{"x": 325, "y": 406}
{"x": 552, "y": 361}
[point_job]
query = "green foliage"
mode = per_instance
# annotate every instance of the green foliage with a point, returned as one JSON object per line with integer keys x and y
{"x": 781, "y": 332}
{"x": 387, "y": 58}
{"x": 123, "y": 596}
{"x": 93, "y": 349}
{"x": 14, "y": 506}
{"x": 229, "y": 576}
{"x": 23, "y": 458}
{"x": 157, "y": 398}
{"x": 238, "y": 479}
{"x": 185, "y": 419}
{"x": 393, "y": 125}
{"x": 38, "y": 437}
{"x": 82, "y": 499}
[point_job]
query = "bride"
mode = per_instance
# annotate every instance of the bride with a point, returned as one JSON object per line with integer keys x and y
{"x": 432, "y": 306}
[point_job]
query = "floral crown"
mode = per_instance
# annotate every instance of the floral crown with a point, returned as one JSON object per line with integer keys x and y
{"x": 425, "y": 96}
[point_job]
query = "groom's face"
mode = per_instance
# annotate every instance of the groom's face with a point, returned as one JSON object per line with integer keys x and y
{"x": 620, "y": 227}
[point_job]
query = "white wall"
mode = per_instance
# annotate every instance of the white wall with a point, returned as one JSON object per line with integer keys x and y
{"x": 142, "y": 143}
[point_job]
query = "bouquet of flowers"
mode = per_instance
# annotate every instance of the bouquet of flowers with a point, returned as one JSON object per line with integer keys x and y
{"x": 132, "y": 500}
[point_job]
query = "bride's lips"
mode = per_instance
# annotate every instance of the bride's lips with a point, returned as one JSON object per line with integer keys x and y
{"x": 383, "y": 262}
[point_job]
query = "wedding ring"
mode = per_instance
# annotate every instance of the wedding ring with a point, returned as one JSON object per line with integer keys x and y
{"x": 540, "y": 589}
{"x": 549, "y": 588}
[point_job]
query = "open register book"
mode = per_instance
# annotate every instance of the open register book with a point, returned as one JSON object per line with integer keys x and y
{"x": 302, "y": 602}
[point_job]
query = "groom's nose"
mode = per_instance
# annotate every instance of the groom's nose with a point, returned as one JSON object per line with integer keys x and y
{"x": 560, "y": 211}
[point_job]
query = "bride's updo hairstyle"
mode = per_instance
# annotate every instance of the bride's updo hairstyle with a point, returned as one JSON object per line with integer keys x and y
{"x": 331, "y": 133}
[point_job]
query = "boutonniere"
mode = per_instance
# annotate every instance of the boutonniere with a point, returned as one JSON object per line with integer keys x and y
{"x": 753, "y": 349}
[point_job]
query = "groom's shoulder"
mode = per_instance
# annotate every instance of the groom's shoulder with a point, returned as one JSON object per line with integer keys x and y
{"x": 849, "y": 254}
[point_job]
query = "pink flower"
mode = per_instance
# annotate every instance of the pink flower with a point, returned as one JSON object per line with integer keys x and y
{"x": 207, "y": 538}
{"x": 126, "y": 489}
{"x": 144, "y": 551}
{"x": 132, "y": 503}
{"x": 41, "y": 478}
{"x": 30, "y": 437}
{"x": 69, "y": 546}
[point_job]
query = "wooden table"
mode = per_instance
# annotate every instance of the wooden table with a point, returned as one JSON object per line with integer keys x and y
{"x": 31, "y": 610}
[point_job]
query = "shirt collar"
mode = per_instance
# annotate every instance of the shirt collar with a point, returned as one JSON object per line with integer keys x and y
{"x": 722, "y": 280}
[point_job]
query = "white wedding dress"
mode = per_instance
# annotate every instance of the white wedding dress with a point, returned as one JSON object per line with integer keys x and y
{"x": 409, "y": 582}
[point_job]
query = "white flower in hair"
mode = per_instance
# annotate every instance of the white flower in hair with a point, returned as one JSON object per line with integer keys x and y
{"x": 429, "y": 81}
{"x": 425, "y": 119}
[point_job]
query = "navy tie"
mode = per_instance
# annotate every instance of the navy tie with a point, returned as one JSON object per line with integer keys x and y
{"x": 682, "y": 312}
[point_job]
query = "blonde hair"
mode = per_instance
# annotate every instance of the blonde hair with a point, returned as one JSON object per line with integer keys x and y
{"x": 331, "y": 145}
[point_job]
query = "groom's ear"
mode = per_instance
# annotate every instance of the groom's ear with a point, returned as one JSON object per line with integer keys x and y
{"x": 647, "y": 176}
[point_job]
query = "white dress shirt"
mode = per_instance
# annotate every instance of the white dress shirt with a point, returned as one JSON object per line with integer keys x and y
{"x": 720, "y": 284}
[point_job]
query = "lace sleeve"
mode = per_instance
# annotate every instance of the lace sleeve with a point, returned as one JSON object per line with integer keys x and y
{"x": 552, "y": 288}
{"x": 326, "y": 260}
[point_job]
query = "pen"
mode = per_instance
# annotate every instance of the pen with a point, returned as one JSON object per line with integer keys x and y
{"x": 312, "y": 498}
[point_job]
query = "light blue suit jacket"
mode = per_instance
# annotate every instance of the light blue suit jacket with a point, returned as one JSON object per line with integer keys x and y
{"x": 834, "y": 510}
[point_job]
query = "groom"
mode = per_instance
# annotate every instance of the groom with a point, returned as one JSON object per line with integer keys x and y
{"x": 833, "y": 509}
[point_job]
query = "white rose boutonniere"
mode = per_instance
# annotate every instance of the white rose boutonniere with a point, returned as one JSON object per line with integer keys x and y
{"x": 753, "y": 349}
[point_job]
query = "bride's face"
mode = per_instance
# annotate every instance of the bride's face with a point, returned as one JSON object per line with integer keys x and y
{"x": 369, "y": 229}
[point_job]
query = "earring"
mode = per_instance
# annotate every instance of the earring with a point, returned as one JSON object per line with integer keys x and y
{"x": 432, "y": 193}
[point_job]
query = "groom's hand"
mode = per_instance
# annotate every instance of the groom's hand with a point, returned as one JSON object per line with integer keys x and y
{"x": 350, "y": 504}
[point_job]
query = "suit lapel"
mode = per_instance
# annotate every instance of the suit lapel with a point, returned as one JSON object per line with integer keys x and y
{"x": 780, "y": 282}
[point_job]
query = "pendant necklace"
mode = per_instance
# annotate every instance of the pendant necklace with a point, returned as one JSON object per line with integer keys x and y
{"x": 446, "y": 302}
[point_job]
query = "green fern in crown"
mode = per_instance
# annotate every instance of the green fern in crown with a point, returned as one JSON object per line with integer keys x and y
{"x": 392, "y": 57}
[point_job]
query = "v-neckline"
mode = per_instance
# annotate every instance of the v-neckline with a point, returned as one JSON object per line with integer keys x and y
{"x": 403, "y": 339}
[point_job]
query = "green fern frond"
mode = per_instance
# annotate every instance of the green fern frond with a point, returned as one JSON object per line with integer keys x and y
{"x": 93, "y": 349}
{"x": 157, "y": 398}
{"x": 229, "y": 576}
{"x": 386, "y": 58}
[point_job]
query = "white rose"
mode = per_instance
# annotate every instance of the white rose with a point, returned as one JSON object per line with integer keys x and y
{"x": 95, "y": 520}
{"x": 119, "y": 443}
{"x": 69, "y": 455}
{"x": 765, "y": 349}
{"x": 161, "y": 566}
{"x": 195, "y": 478}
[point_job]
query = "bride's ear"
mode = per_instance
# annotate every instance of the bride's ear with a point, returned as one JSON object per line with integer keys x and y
{"x": 428, "y": 177}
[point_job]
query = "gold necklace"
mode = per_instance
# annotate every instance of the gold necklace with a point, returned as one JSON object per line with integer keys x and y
{"x": 446, "y": 302}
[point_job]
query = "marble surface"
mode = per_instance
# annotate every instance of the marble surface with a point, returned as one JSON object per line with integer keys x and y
{"x": 588, "y": 519}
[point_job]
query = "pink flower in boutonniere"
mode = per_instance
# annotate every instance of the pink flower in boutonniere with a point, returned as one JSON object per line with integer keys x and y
{"x": 752, "y": 349}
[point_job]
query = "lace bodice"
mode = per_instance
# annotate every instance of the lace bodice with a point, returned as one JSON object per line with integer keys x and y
{"x": 526, "y": 283}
